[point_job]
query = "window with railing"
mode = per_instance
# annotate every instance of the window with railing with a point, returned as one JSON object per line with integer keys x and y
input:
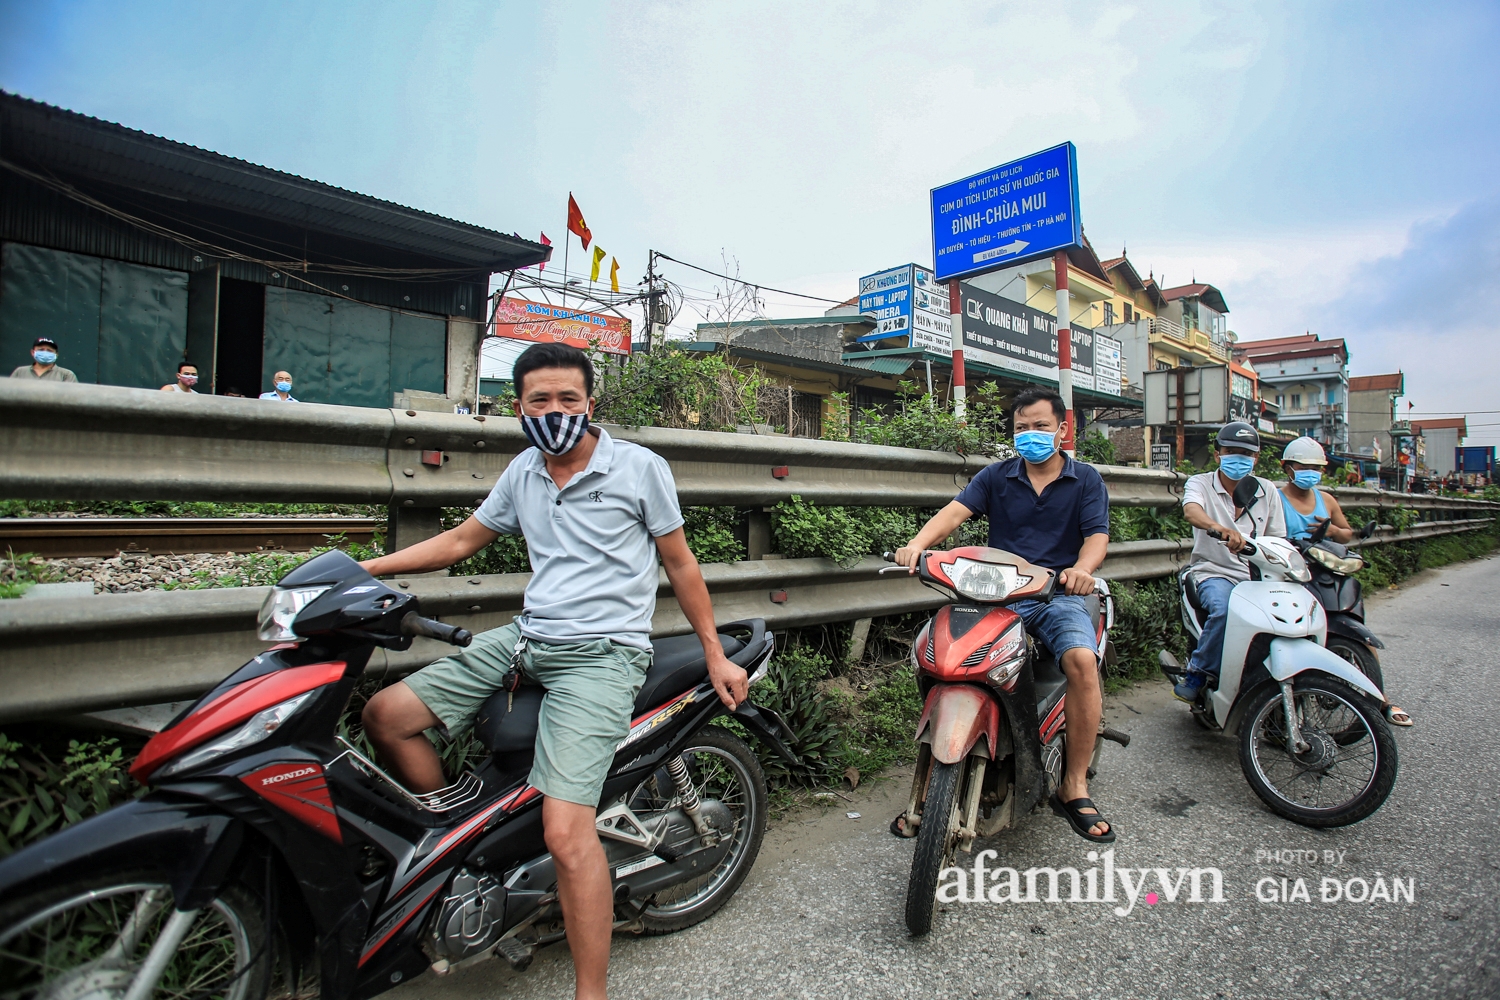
{"x": 1109, "y": 314}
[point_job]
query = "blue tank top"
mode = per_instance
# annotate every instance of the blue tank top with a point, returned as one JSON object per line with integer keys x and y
{"x": 1298, "y": 524}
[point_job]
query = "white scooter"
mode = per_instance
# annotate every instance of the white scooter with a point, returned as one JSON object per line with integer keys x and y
{"x": 1313, "y": 743}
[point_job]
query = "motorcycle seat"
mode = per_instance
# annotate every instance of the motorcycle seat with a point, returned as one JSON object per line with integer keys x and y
{"x": 677, "y": 664}
{"x": 1190, "y": 591}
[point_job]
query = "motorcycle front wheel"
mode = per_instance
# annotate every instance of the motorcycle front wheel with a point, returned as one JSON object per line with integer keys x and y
{"x": 94, "y": 939}
{"x": 937, "y": 839}
{"x": 1348, "y": 769}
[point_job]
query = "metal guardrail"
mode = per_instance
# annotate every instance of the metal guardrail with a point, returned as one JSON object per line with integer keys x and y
{"x": 87, "y": 442}
{"x": 77, "y": 442}
{"x": 67, "y": 656}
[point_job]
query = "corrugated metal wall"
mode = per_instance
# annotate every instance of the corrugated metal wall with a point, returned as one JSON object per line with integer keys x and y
{"x": 350, "y": 353}
{"x": 115, "y": 323}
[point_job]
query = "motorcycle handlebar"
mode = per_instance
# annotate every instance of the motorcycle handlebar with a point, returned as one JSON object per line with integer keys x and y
{"x": 1248, "y": 549}
{"x": 415, "y": 624}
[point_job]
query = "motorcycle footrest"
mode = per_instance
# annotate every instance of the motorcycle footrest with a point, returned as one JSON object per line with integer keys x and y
{"x": 515, "y": 951}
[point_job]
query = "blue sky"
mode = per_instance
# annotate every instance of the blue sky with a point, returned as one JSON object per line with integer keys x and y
{"x": 1329, "y": 166}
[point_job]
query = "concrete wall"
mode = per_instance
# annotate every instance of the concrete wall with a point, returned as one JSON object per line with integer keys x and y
{"x": 1370, "y": 422}
{"x": 462, "y": 381}
{"x": 1440, "y": 441}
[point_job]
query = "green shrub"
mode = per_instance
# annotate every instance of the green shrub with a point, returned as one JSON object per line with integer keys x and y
{"x": 1148, "y": 619}
{"x": 39, "y": 796}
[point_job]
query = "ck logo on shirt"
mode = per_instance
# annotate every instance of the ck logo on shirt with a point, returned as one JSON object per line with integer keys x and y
{"x": 597, "y": 496}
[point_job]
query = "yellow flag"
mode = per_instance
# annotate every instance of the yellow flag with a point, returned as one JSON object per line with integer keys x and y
{"x": 614, "y": 275}
{"x": 598, "y": 259}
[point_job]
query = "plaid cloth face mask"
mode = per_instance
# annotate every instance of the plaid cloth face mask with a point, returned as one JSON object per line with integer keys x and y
{"x": 555, "y": 433}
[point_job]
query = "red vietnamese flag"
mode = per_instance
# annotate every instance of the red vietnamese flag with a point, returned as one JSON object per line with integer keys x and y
{"x": 576, "y": 225}
{"x": 543, "y": 265}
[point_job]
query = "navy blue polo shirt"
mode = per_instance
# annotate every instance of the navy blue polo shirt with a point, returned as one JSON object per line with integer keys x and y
{"x": 1047, "y": 529}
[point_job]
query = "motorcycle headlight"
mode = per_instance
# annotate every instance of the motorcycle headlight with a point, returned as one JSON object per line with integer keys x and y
{"x": 1007, "y": 655}
{"x": 256, "y": 728}
{"x": 1347, "y": 565}
{"x": 281, "y": 608}
{"x": 985, "y": 581}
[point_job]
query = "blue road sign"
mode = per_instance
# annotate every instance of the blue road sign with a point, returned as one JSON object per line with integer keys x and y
{"x": 1025, "y": 209}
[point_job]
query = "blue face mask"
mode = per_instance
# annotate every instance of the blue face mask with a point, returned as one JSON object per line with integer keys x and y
{"x": 1236, "y": 466}
{"x": 1307, "y": 478}
{"x": 555, "y": 433}
{"x": 1036, "y": 446}
{"x": 46, "y": 357}
{"x": 283, "y": 387}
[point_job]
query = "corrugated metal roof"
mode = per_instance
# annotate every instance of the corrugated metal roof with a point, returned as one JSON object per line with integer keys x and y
{"x": 885, "y": 366}
{"x": 37, "y": 135}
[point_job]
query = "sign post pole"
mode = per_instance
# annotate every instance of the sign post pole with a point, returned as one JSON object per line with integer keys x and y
{"x": 960, "y": 389}
{"x": 1064, "y": 346}
{"x": 1181, "y": 414}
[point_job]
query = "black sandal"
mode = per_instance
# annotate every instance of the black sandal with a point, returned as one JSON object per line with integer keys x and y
{"x": 1081, "y": 821}
{"x": 898, "y": 827}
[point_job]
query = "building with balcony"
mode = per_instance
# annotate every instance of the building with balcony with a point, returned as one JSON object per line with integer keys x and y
{"x": 1372, "y": 415}
{"x": 1130, "y": 316}
{"x": 1309, "y": 380}
{"x": 1193, "y": 327}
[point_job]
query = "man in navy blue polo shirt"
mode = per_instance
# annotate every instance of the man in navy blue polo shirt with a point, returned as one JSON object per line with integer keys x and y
{"x": 1054, "y": 511}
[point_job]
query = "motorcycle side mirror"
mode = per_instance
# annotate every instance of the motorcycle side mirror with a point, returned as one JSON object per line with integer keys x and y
{"x": 1321, "y": 531}
{"x": 1369, "y": 529}
{"x": 1246, "y": 492}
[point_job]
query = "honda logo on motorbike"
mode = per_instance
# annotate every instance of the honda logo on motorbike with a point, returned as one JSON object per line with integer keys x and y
{"x": 288, "y": 775}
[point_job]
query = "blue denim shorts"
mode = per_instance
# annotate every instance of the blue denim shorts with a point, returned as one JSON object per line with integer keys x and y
{"x": 1060, "y": 624}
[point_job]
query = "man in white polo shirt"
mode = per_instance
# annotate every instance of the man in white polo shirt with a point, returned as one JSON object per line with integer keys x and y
{"x": 1209, "y": 503}
{"x": 596, "y": 513}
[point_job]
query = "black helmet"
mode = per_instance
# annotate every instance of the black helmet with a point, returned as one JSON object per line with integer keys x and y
{"x": 1238, "y": 434}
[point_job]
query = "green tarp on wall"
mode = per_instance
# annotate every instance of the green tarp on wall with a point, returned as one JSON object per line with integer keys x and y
{"x": 115, "y": 323}
{"x": 350, "y": 353}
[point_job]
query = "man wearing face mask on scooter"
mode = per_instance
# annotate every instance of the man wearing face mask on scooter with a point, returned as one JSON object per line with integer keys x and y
{"x": 1209, "y": 503}
{"x": 1044, "y": 506}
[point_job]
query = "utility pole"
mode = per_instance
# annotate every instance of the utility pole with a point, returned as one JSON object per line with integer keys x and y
{"x": 650, "y": 297}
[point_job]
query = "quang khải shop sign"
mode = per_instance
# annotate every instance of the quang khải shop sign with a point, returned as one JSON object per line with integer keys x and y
{"x": 541, "y": 323}
{"x": 1014, "y": 337}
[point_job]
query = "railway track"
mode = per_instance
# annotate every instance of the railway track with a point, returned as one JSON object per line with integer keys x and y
{"x": 67, "y": 537}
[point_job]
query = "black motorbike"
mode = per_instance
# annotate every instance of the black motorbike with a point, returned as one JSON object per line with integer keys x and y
{"x": 270, "y": 847}
{"x": 1333, "y": 583}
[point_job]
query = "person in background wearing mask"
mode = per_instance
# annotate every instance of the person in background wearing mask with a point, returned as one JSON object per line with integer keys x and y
{"x": 1306, "y": 507}
{"x": 44, "y": 363}
{"x": 283, "y": 393}
{"x": 187, "y": 377}
{"x": 1045, "y": 507}
{"x": 1208, "y": 503}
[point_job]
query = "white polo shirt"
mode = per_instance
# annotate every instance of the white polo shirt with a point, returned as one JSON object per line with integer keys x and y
{"x": 592, "y": 543}
{"x": 1212, "y": 557}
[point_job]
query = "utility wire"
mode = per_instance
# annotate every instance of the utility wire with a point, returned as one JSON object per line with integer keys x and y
{"x": 752, "y": 284}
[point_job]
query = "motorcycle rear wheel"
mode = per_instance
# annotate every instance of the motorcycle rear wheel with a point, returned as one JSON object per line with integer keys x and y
{"x": 1349, "y": 770}
{"x": 90, "y": 938}
{"x": 937, "y": 839}
{"x": 722, "y": 767}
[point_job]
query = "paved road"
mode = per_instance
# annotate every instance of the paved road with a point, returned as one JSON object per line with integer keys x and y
{"x": 820, "y": 915}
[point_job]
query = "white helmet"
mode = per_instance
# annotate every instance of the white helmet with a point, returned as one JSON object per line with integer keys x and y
{"x": 1304, "y": 451}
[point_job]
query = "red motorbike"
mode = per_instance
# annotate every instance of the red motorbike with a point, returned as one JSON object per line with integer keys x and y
{"x": 994, "y": 720}
{"x": 271, "y": 848}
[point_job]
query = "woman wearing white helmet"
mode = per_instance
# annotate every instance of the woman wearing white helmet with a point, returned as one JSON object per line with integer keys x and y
{"x": 1306, "y": 507}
